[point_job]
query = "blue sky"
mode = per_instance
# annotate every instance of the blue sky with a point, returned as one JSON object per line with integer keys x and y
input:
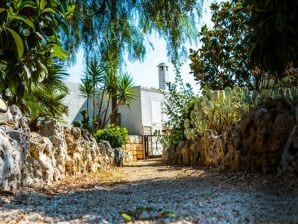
{"x": 145, "y": 73}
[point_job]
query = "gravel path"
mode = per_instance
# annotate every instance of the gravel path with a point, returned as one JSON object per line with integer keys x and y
{"x": 147, "y": 192}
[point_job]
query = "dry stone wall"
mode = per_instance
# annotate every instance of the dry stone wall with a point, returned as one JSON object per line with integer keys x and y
{"x": 47, "y": 155}
{"x": 57, "y": 151}
{"x": 14, "y": 146}
{"x": 265, "y": 140}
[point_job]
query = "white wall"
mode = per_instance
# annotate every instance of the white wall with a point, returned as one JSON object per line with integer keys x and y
{"x": 151, "y": 108}
{"x": 144, "y": 111}
{"x": 74, "y": 102}
{"x": 131, "y": 117}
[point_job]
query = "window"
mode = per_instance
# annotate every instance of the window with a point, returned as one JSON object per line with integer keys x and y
{"x": 161, "y": 68}
{"x": 167, "y": 68}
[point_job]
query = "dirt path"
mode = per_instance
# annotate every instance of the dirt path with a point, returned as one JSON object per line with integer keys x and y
{"x": 147, "y": 192}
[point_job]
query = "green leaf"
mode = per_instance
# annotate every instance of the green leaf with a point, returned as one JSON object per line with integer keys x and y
{"x": 2, "y": 10}
{"x": 126, "y": 217}
{"x": 17, "y": 4}
{"x": 42, "y": 76}
{"x": 48, "y": 10}
{"x": 18, "y": 41}
{"x": 168, "y": 214}
{"x": 10, "y": 12}
{"x": 42, "y": 5}
{"x": 27, "y": 71}
{"x": 27, "y": 4}
{"x": 44, "y": 71}
{"x": 25, "y": 20}
{"x": 71, "y": 8}
{"x": 59, "y": 53}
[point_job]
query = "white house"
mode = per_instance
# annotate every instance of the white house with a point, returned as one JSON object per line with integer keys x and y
{"x": 144, "y": 116}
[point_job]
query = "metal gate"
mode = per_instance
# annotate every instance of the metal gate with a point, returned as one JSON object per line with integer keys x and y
{"x": 152, "y": 145}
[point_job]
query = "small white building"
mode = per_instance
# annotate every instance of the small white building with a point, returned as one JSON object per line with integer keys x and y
{"x": 144, "y": 116}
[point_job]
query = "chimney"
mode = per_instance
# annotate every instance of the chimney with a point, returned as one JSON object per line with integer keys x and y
{"x": 163, "y": 75}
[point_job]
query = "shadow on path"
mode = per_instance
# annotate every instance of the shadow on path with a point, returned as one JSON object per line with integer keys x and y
{"x": 171, "y": 194}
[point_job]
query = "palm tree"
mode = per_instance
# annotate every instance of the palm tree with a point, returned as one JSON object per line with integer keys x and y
{"x": 45, "y": 98}
{"x": 123, "y": 86}
{"x": 95, "y": 73}
{"x": 106, "y": 92}
{"x": 103, "y": 83}
{"x": 125, "y": 92}
{"x": 86, "y": 89}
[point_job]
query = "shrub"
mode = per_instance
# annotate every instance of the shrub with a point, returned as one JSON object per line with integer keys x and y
{"x": 117, "y": 136}
{"x": 178, "y": 104}
{"x": 76, "y": 124}
{"x": 216, "y": 110}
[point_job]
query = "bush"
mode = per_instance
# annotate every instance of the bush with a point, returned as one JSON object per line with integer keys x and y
{"x": 179, "y": 102}
{"x": 117, "y": 136}
{"x": 217, "y": 110}
{"x": 76, "y": 124}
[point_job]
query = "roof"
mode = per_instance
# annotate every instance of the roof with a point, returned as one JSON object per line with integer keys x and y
{"x": 162, "y": 64}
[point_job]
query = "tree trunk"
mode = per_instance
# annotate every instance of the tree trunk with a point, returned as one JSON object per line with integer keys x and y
{"x": 99, "y": 119}
{"x": 115, "y": 22}
{"x": 114, "y": 113}
{"x": 106, "y": 112}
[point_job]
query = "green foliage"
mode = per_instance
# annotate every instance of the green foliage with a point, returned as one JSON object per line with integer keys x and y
{"x": 216, "y": 110}
{"x": 223, "y": 59}
{"x": 45, "y": 98}
{"x": 284, "y": 89}
{"x": 87, "y": 90}
{"x": 137, "y": 214}
{"x": 76, "y": 124}
{"x": 30, "y": 49}
{"x": 101, "y": 83}
{"x": 114, "y": 28}
{"x": 117, "y": 136}
{"x": 274, "y": 26}
{"x": 85, "y": 120}
{"x": 251, "y": 41}
{"x": 178, "y": 104}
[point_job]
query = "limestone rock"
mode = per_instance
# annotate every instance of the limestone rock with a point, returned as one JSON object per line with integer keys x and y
{"x": 40, "y": 166}
{"x": 213, "y": 149}
{"x": 289, "y": 159}
{"x": 127, "y": 157}
{"x": 118, "y": 157}
{"x": 55, "y": 132}
{"x": 14, "y": 145}
{"x": 264, "y": 134}
{"x": 57, "y": 151}
{"x": 266, "y": 138}
{"x": 47, "y": 155}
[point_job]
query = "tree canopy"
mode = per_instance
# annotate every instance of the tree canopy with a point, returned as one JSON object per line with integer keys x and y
{"x": 274, "y": 42}
{"x": 110, "y": 29}
{"x": 250, "y": 42}
{"x": 223, "y": 59}
{"x": 30, "y": 51}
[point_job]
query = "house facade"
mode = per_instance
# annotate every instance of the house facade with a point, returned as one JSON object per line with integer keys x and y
{"x": 144, "y": 117}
